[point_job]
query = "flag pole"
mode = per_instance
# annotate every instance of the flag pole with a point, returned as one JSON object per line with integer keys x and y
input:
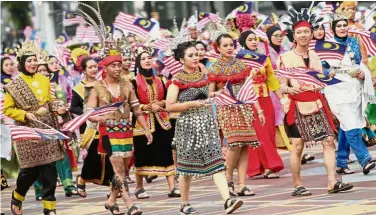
{"x": 49, "y": 127}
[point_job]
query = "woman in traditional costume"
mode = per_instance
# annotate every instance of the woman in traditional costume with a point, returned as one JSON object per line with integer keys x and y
{"x": 241, "y": 134}
{"x": 196, "y": 138}
{"x": 153, "y": 159}
{"x": 265, "y": 159}
{"x": 357, "y": 85}
{"x": 97, "y": 167}
{"x": 28, "y": 101}
{"x": 308, "y": 118}
{"x": 9, "y": 161}
{"x": 202, "y": 49}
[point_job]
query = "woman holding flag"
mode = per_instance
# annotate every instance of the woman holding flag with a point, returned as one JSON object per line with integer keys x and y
{"x": 265, "y": 159}
{"x": 357, "y": 85}
{"x": 241, "y": 134}
{"x": 29, "y": 102}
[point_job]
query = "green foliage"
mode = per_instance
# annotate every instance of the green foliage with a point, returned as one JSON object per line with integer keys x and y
{"x": 20, "y": 12}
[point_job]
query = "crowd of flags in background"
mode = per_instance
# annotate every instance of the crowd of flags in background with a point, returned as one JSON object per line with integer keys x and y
{"x": 142, "y": 27}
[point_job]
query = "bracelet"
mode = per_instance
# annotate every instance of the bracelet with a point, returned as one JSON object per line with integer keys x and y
{"x": 260, "y": 112}
{"x": 148, "y": 107}
{"x": 141, "y": 106}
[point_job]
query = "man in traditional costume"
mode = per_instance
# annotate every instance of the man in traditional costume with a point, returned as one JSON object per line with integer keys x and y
{"x": 308, "y": 118}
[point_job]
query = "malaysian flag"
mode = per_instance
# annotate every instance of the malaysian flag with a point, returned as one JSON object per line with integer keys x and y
{"x": 246, "y": 95}
{"x": 72, "y": 19}
{"x": 330, "y": 50}
{"x": 23, "y": 132}
{"x": 86, "y": 34}
{"x": 251, "y": 58}
{"x": 245, "y": 8}
{"x": 306, "y": 75}
{"x": 162, "y": 44}
{"x": 133, "y": 24}
{"x": 205, "y": 18}
{"x": 369, "y": 40}
{"x": 327, "y": 9}
{"x": 78, "y": 121}
{"x": 260, "y": 33}
{"x": 171, "y": 65}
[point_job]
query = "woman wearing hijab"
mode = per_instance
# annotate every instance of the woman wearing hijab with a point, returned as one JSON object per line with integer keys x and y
{"x": 29, "y": 102}
{"x": 264, "y": 159}
{"x": 357, "y": 84}
{"x": 155, "y": 158}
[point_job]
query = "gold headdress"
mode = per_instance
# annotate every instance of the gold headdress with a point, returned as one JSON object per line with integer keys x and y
{"x": 30, "y": 47}
{"x": 78, "y": 52}
{"x": 42, "y": 58}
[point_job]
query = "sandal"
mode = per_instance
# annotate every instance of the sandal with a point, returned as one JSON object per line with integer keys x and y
{"x": 132, "y": 209}
{"x": 339, "y": 186}
{"x": 81, "y": 188}
{"x": 367, "y": 168}
{"x": 141, "y": 194}
{"x": 187, "y": 209}
{"x": 345, "y": 171}
{"x": 48, "y": 212}
{"x": 18, "y": 204}
{"x": 307, "y": 157}
{"x": 246, "y": 192}
{"x": 174, "y": 193}
{"x": 150, "y": 179}
{"x": 270, "y": 172}
{"x": 113, "y": 208}
{"x": 232, "y": 205}
{"x": 231, "y": 188}
{"x": 301, "y": 191}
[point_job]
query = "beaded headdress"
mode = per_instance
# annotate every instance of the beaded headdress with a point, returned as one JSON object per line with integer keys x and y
{"x": 139, "y": 48}
{"x": 216, "y": 30}
{"x": 179, "y": 37}
{"x": 295, "y": 18}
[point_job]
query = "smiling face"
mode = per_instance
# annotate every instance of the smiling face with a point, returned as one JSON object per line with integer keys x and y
{"x": 251, "y": 42}
{"x": 91, "y": 69}
{"x": 31, "y": 64}
{"x": 7, "y": 67}
{"x": 277, "y": 38}
{"x": 113, "y": 70}
{"x": 341, "y": 29}
{"x": 200, "y": 50}
{"x": 145, "y": 61}
{"x": 303, "y": 36}
{"x": 226, "y": 47}
{"x": 53, "y": 64}
{"x": 190, "y": 59}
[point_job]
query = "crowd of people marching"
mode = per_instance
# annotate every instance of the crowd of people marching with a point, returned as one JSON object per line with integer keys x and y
{"x": 183, "y": 106}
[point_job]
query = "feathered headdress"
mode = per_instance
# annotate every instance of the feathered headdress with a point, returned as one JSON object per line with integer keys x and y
{"x": 109, "y": 51}
{"x": 295, "y": 19}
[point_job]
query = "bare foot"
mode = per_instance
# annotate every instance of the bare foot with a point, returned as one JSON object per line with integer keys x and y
{"x": 17, "y": 209}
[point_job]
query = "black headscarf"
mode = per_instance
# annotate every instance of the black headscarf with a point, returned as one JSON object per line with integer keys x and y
{"x": 22, "y": 62}
{"x": 4, "y": 76}
{"x": 243, "y": 38}
{"x": 334, "y": 24}
{"x": 54, "y": 75}
{"x": 269, "y": 33}
{"x": 139, "y": 69}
